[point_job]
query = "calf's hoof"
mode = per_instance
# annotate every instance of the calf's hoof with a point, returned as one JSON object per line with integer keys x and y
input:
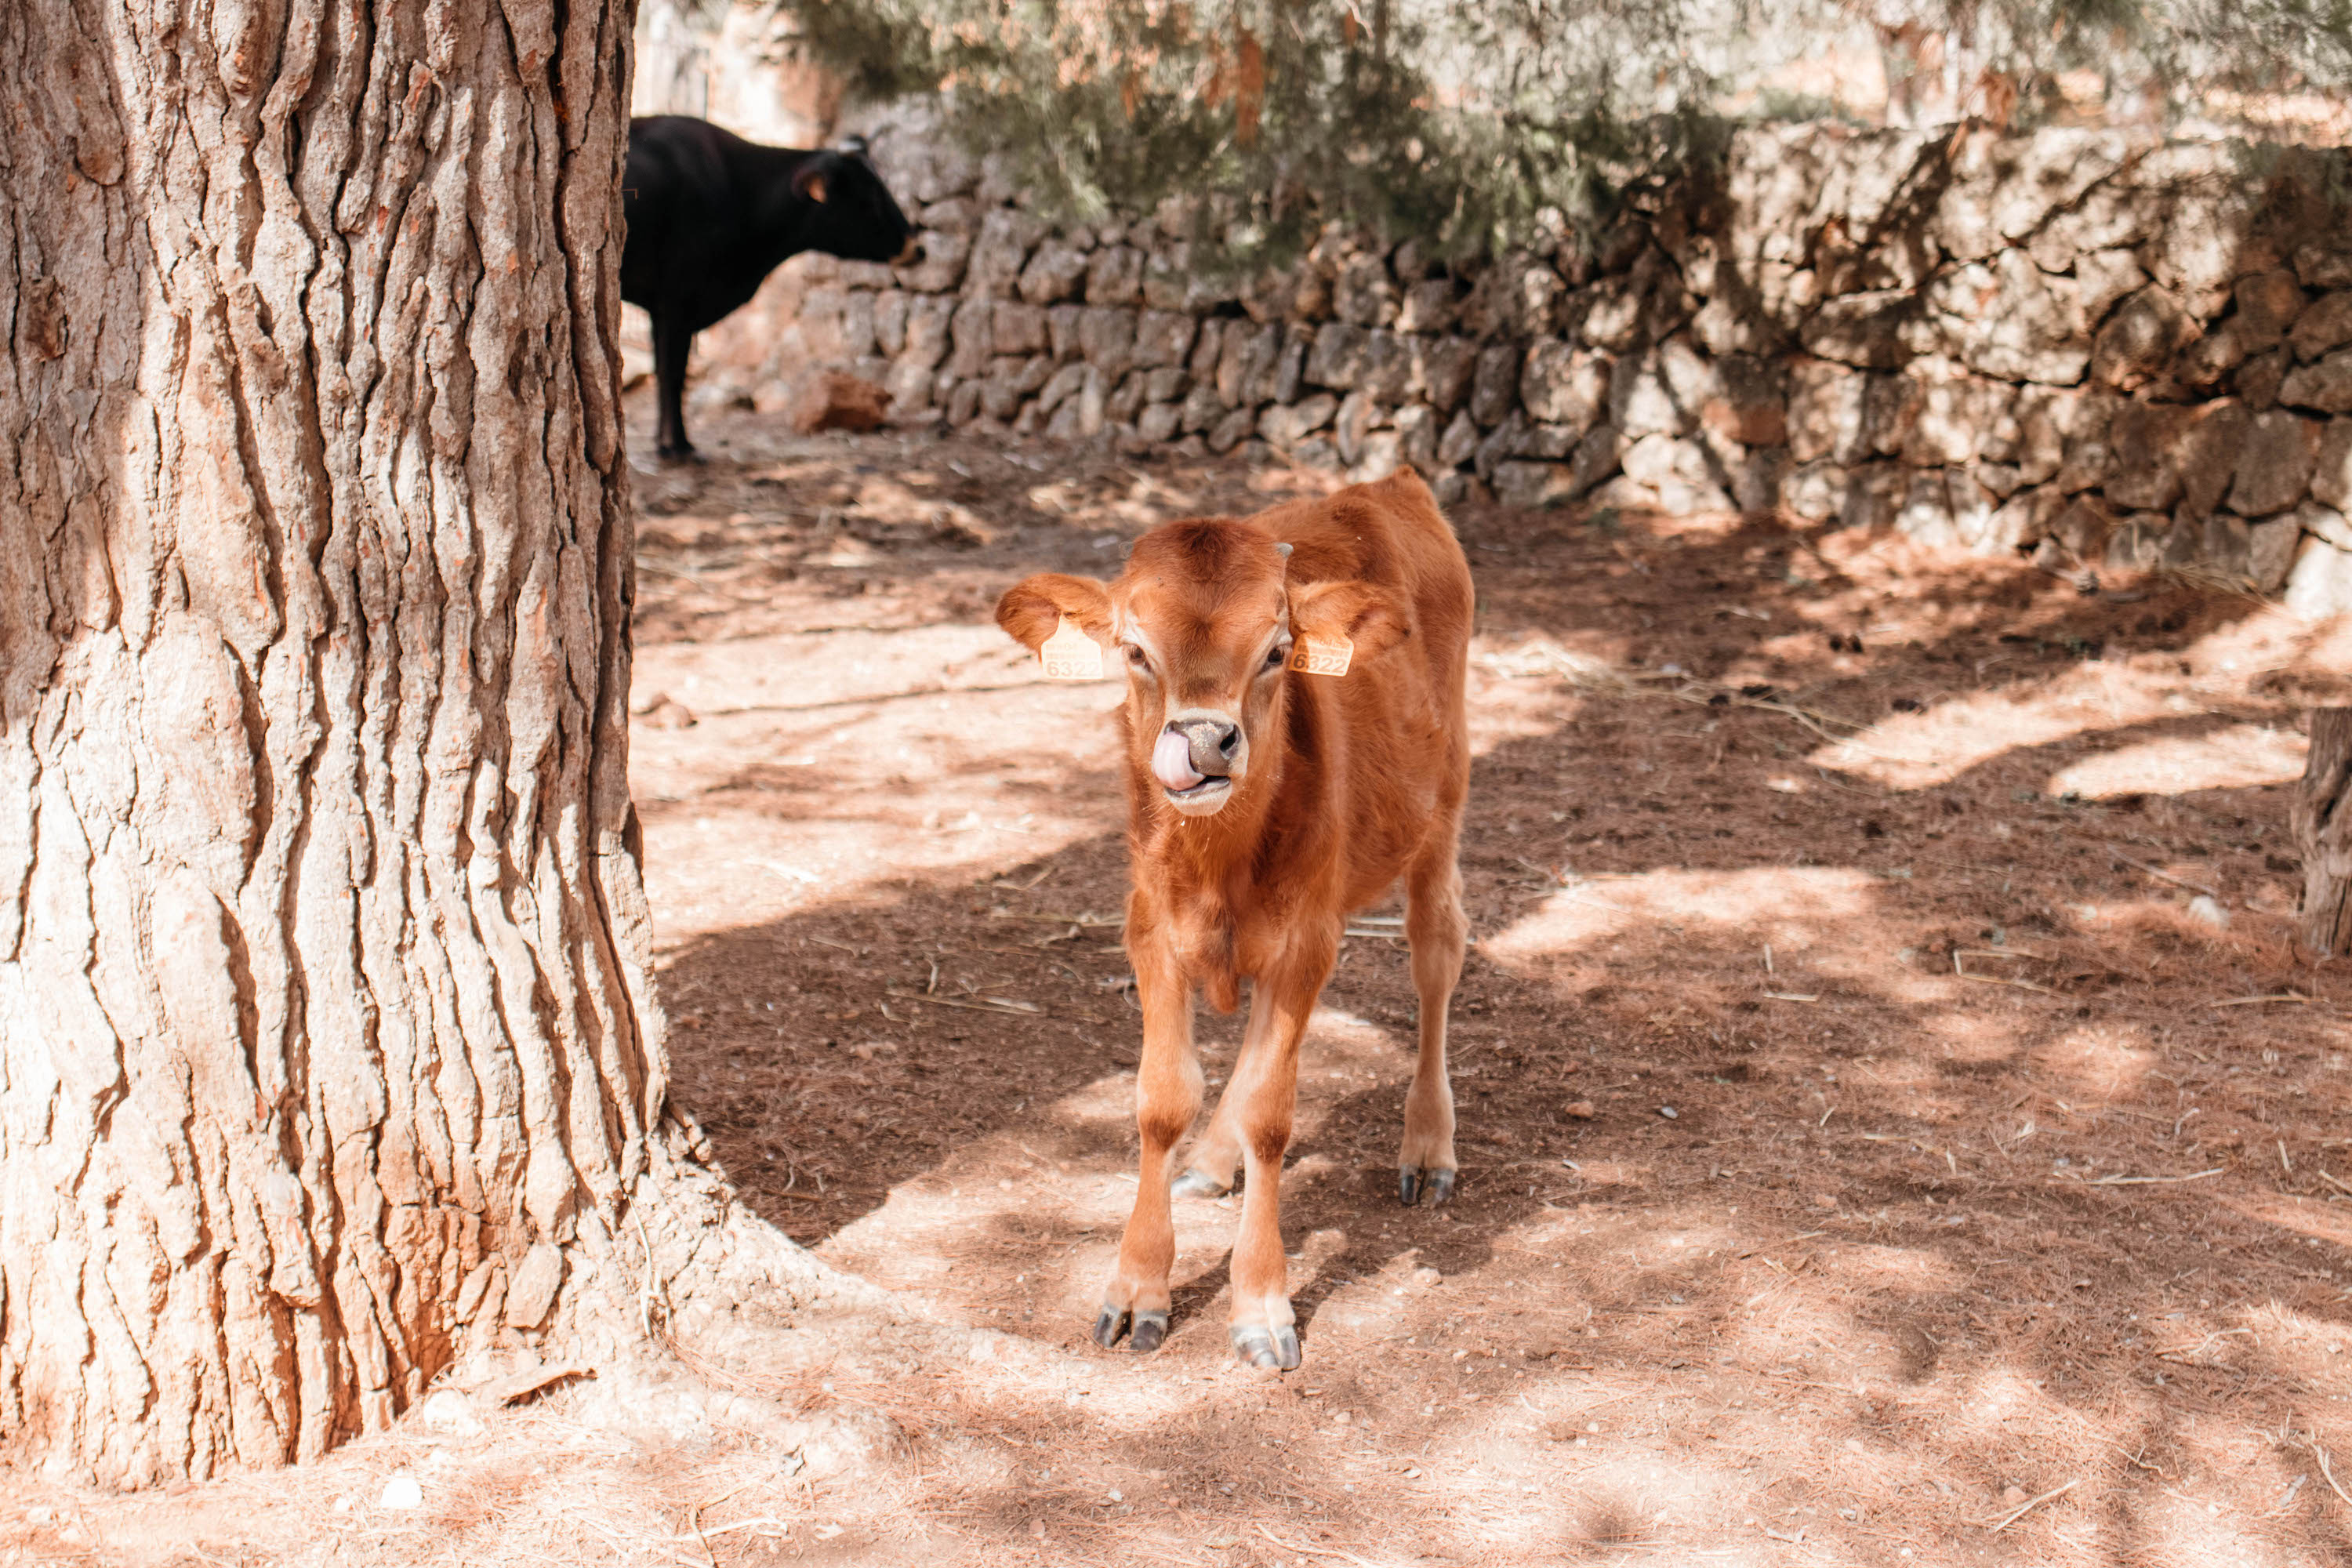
{"x": 1412, "y": 1182}
{"x": 1196, "y": 1184}
{"x": 1275, "y": 1350}
{"x": 1150, "y": 1332}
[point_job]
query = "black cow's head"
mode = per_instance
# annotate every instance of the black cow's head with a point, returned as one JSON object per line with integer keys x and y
{"x": 850, "y": 213}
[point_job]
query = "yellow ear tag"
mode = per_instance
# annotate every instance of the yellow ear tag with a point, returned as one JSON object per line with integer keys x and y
{"x": 1321, "y": 656}
{"x": 1070, "y": 655}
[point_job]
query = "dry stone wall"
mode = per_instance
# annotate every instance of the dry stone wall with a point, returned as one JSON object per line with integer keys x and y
{"x": 2098, "y": 350}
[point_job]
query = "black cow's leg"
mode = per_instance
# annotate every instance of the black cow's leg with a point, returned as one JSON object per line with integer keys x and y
{"x": 672, "y": 342}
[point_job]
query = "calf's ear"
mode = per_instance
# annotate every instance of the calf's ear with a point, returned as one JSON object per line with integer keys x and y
{"x": 1366, "y": 615}
{"x": 1033, "y": 608}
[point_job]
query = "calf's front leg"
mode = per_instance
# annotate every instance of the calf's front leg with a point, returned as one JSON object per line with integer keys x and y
{"x": 1167, "y": 1098}
{"x": 1264, "y": 1095}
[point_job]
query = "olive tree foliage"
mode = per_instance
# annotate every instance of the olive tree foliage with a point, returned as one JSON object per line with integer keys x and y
{"x": 1478, "y": 125}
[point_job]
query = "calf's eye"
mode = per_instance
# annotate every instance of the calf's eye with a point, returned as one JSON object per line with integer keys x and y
{"x": 1135, "y": 655}
{"x": 1276, "y": 654}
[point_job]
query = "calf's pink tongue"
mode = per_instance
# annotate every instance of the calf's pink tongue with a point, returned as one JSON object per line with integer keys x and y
{"x": 1171, "y": 760}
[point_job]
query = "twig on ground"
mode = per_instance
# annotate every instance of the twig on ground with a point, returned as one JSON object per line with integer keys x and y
{"x": 2328, "y": 1473}
{"x": 2332, "y": 1182}
{"x": 1313, "y": 1551}
{"x": 2029, "y": 1505}
{"x": 2294, "y": 997}
{"x": 2151, "y": 1180}
{"x": 2166, "y": 875}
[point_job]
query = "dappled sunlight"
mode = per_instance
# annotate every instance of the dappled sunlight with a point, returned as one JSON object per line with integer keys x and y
{"x": 2103, "y": 1061}
{"x": 1918, "y": 751}
{"x": 1769, "y": 904}
{"x": 2235, "y": 758}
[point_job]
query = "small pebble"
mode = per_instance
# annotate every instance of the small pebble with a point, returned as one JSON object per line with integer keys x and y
{"x": 1581, "y": 1110}
{"x": 1667, "y": 1111}
{"x": 2012, "y": 1495}
{"x": 1425, "y": 1275}
{"x": 402, "y": 1491}
{"x": 2206, "y": 912}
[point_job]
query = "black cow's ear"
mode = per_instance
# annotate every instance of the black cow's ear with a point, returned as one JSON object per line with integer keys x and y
{"x": 816, "y": 174}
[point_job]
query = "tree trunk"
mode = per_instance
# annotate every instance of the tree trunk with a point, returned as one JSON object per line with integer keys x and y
{"x": 325, "y": 1009}
{"x": 2323, "y": 828}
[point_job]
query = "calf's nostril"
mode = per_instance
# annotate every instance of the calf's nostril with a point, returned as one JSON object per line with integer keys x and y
{"x": 1229, "y": 743}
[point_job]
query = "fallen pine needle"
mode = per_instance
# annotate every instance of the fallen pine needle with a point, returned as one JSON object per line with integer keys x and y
{"x": 1999, "y": 980}
{"x": 2000, "y": 952}
{"x": 993, "y": 1005}
{"x": 2294, "y": 997}
{"x": 2176, "y": 881}
{"x": 2021, "y": 1510}
{"x": 2329, "y": 1475}
{"x": 2149, "y": 1180}
{"x": 2331, "y": 1181}
{"x": 1313, "y": 1551}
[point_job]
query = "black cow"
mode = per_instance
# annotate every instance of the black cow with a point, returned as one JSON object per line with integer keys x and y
{"x": 711, "y": 215}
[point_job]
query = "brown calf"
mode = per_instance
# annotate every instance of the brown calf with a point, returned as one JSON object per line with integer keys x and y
{"x": 1264, "y": 803}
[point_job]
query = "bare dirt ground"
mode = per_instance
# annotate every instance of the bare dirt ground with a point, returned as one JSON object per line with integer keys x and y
{"x": 1871, "y": 1157}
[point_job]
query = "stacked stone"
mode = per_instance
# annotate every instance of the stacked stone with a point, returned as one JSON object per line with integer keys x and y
{"x": 2110, "y": 352}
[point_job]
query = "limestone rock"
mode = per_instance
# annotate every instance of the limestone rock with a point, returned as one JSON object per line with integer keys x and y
{"x": 1561, "y": 385}
{"x": 2319, "y": 583}
{"x": 1000, "y": 251}
{"x": 2009, "y": 319}
{"x": 2325, "y": 324}
{"x": 969, "y": 330}
{"x": 2104, "y": 276}
{"x": 1662, "y": 391}
{"x": 2140, "y": 339}
{"x": 1163, "y": 338}
{"x": 1115, "y": 276}
{"x": 1862, "y": 330}
{"x": 1460, "y": 442}
{"x": 2268, "y": 303}
{"x": 1388, "y": 367}
{"x": 2207, "y": 448}
{"x": 1158, "y": 421}
{"x": 1950, "y": 415}
{"x": 1442, "y": 369}
{"x": 2147, "y": 440}
{"x": 1416, "y": 428}
{"x": 1364, "y": 294}
{"x": 1495, "y": 384}
{"x": 1825, "y": 413}
{"x": 1814, "y": 492}
{"x": 1053, "y": 273}
{"x": 2326, "y": 385}
{"x": 945, "y": 257}
{"x": 1531, "y": 486}
{"x": 2331, "y": 475}
{"x": 2271, "y": 547}
{"x": 1337, "y": 358}
{"x": 2003, "y": 189}
{"x": 1750, "y": 406}
{"x": 1232, "y": 430}
{"x": 1429, "y": 307}
{"x": 2274, "y": 464}
{"x": 1107, "y": 341}
{"x": 1018, "y": 328}
{"x": 1684, "y": 475}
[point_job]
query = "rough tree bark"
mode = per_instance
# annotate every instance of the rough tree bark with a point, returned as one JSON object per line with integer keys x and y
{"x": 325, "y": 1017}
{"x": 2323, "y": 828}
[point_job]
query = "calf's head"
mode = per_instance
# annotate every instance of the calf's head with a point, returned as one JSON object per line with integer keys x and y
{"x": 1204, "y": 618}
{"x": 849, "y": 212}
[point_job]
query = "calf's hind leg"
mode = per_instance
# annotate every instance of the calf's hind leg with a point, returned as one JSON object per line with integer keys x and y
{"x": 1209, "y": 1168}
{"x": 1437, "y": 928}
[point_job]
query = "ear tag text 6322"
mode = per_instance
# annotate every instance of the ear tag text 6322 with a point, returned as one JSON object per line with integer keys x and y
{"x": 1071, "y": 655}
{"x": 1322, "y": 655}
